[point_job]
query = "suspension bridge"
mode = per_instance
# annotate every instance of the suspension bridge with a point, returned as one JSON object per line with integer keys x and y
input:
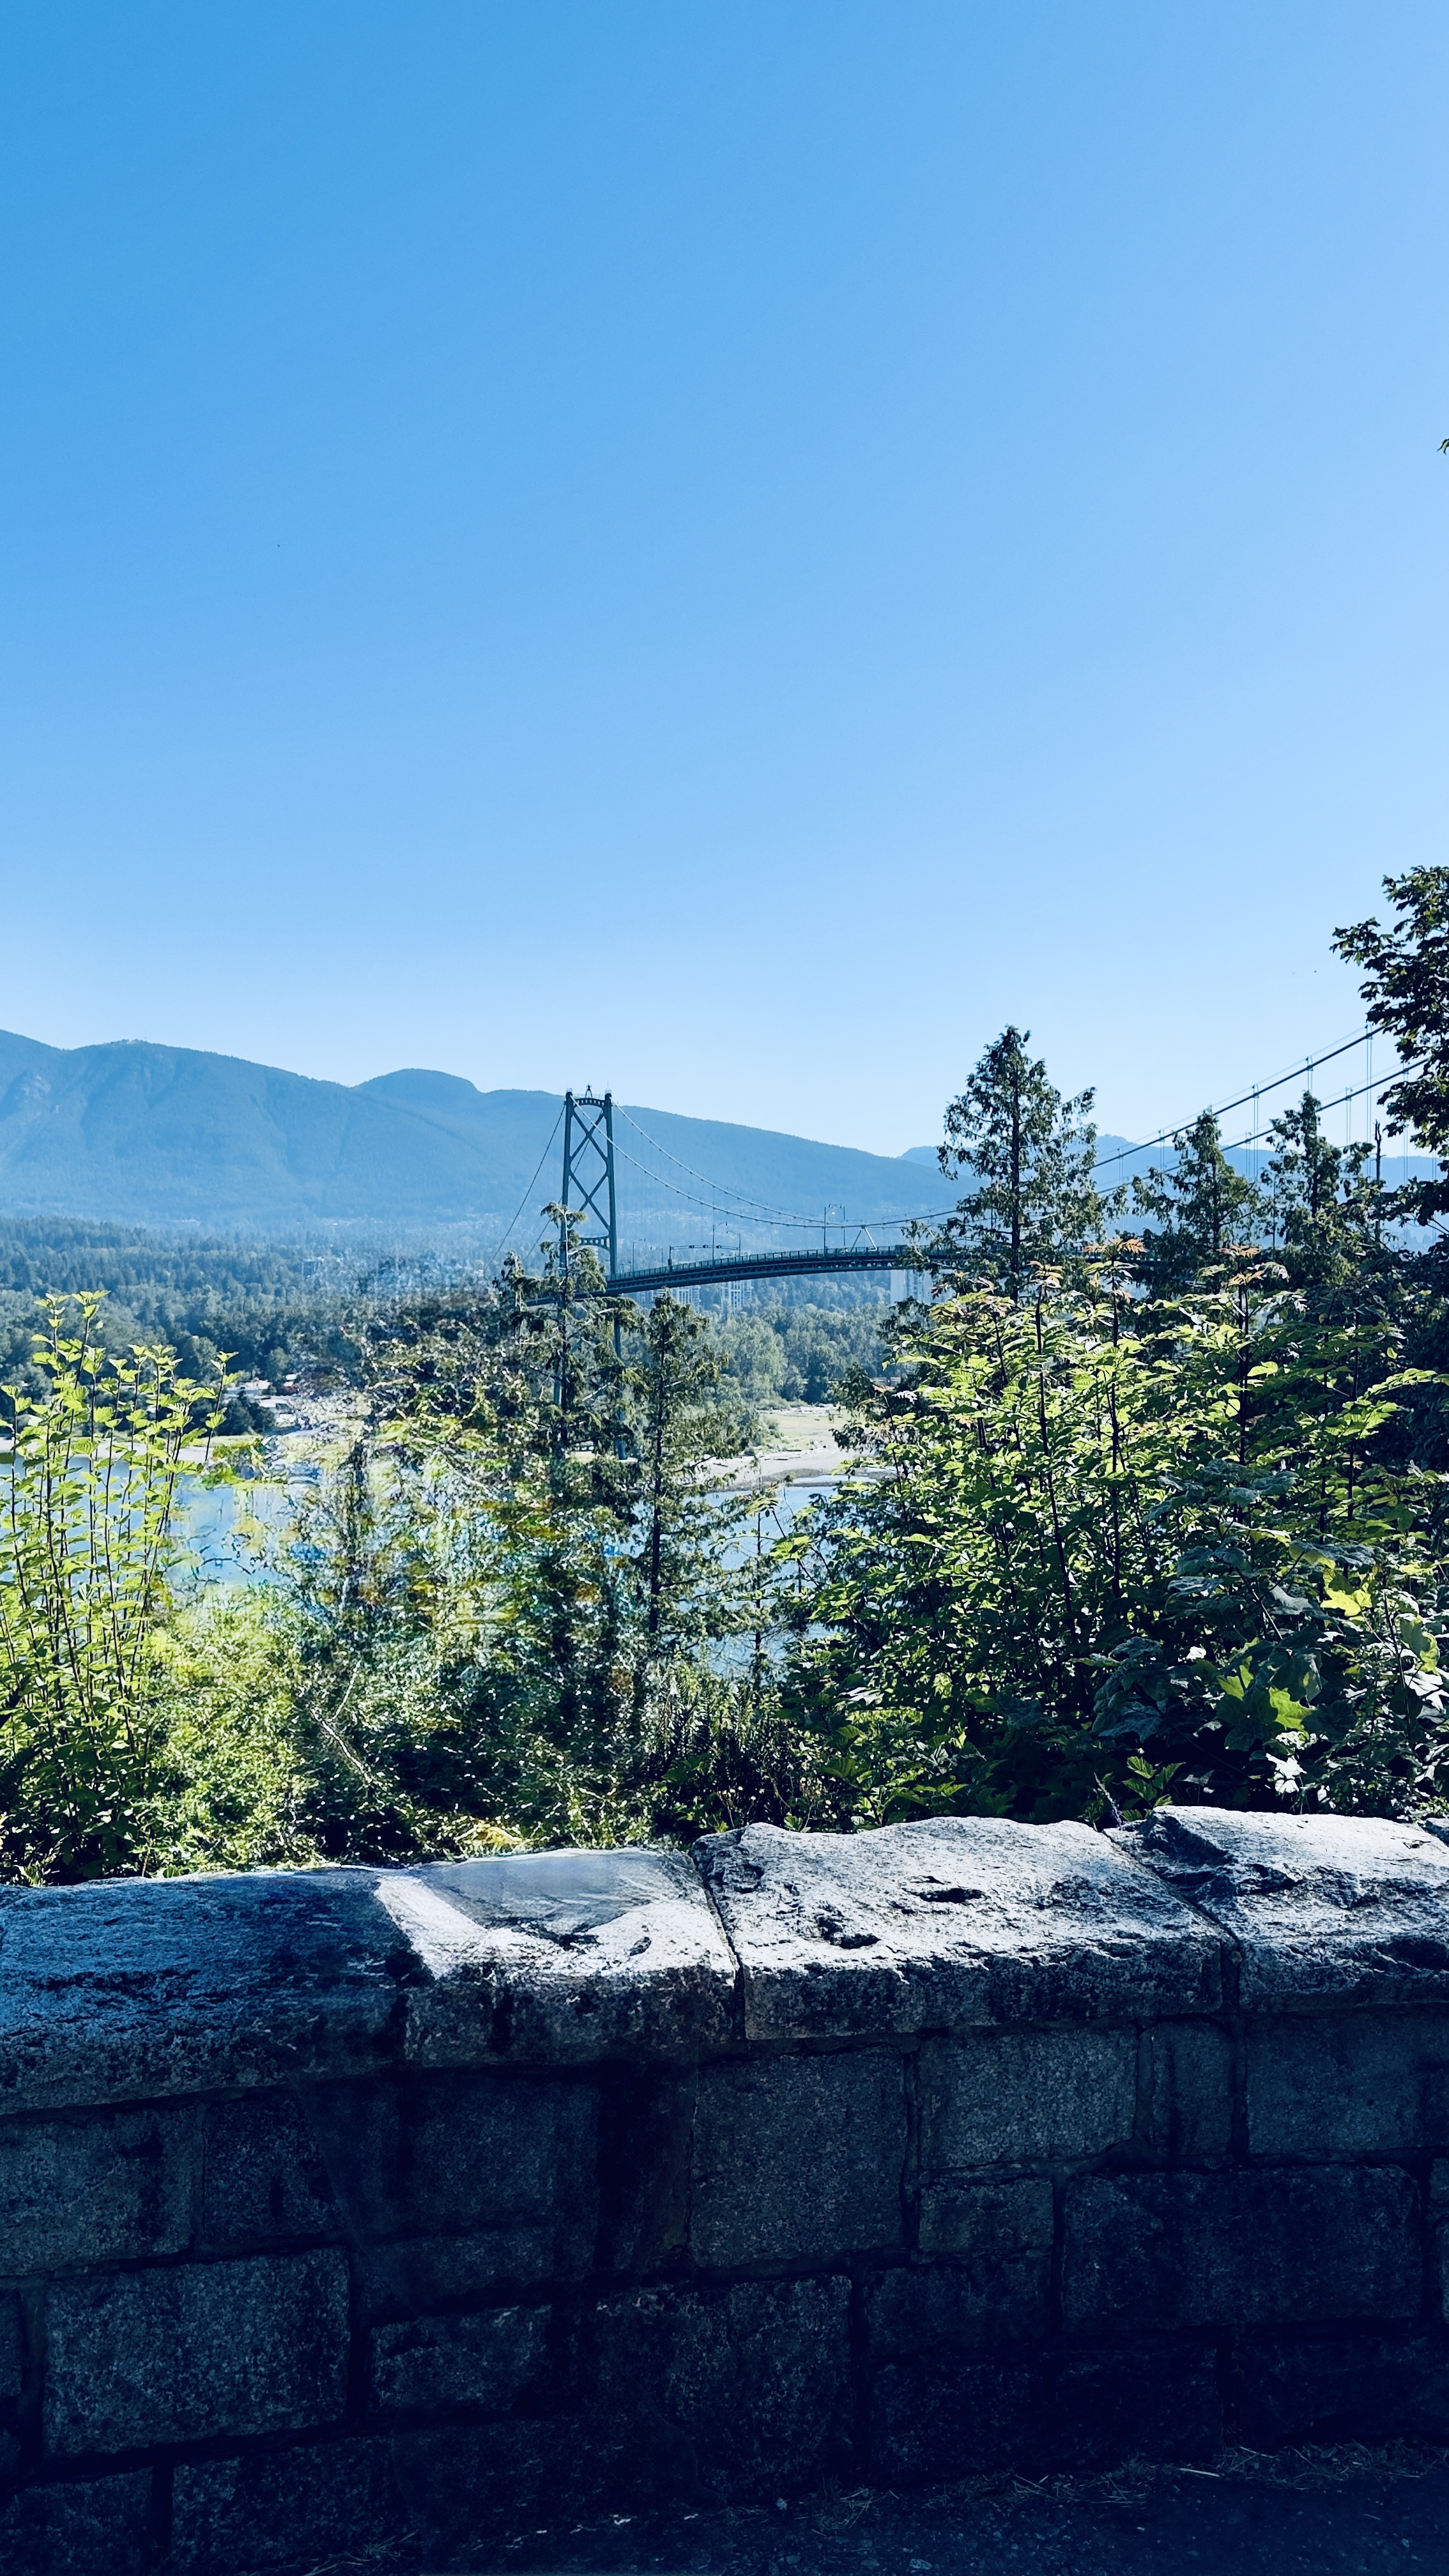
{"x": 589, "y": 1193}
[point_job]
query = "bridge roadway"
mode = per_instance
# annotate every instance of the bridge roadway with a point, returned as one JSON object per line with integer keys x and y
{"x": 766, "y": 1265}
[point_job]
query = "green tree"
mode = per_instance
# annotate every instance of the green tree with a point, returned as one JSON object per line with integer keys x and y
{"x": 509, "y": 1588}
{"x": 679, "y": 1424}
{"x": 1406, "y": 987}
{"x": 91, "y": 1473}
{"x": 1202, "y": 1206}
{"x": 1109, "y": 1555}
{"x": 1324, "y": 1211}
{"x": 1030, "y": 1154}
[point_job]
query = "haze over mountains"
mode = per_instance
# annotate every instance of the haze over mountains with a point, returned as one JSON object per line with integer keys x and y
{"x": 144, "y": 1134}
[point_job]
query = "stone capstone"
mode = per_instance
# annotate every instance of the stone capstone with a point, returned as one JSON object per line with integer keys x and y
{"x": 940, "y": 1926}
{"x": 1317, "y": 1908}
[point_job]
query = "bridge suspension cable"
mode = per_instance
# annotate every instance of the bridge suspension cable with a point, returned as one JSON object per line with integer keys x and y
{"x": 740, "y": 1207}
{"x": 1309, "y": 1066}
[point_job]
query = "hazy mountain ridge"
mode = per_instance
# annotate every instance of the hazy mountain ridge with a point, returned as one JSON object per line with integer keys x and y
{"x": 141, "y": 1133}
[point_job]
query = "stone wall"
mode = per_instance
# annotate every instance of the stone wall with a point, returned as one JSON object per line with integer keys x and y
{"x": 464, "y": 2200}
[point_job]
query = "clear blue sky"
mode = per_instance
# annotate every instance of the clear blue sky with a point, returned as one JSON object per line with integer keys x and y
{"x": 723, "y": 549}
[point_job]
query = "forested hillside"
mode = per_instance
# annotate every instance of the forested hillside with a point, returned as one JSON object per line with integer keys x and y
{"x": 143, "y": 1135}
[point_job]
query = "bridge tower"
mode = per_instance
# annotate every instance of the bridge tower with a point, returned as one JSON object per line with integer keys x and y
{"x": 588, "y": 1174}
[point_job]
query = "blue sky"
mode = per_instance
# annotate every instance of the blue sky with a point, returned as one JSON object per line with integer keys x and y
{"x": 726, "y": 550}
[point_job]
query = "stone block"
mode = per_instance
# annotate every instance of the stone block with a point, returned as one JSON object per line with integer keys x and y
{"x": 467, "y": 2153}
{"x": 88, "y": 2527}
{"x": 1188, "y": 2071}
{"x": 560, "y": 1956}
{"x": 940, "y": 2308}
{"x": 950, "y": 2413}
{"x": 1439, "y": 2235}
{"x": 676, "y": 2396}
{"x": 1183, "y": 2252}
{"x": 956, "y": 1921}
{"x": 962, "y": 2215}
{"x": 727, "y": 2395}
{"x": 499, "y": 2150}
{"x": 798, "y": 2159}
{"x": 1153, "y": 2401}
{"x": 468, "y": 2485}
{"x": 320, "y": 2504}
{"x": 1320, "y": 1909}
{"x": 264, "y": 2174}
{"x": 646, "y": 2133}
{"x": 1366, "y": 2084}
{"x": 194, "y": 2351}
{"x": 106, "y": 2189}
{"x": 491, "y": 2361}
{"x": 957, "y": 2417}
{"x": 1022, "y": 2097}
{"x": 416, "y": 2274}
{"x": 1343, "y": 2388}
{"x": 12, "y": 2348}
{"x": 128, "y": 1990}
{"x": 12, "y": 2382}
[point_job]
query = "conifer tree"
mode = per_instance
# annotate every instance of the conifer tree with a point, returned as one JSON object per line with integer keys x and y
{"x": 1203, "y": 1208}
{"x": 1030, "y": 1155}
{"x": 1406, "y": 987}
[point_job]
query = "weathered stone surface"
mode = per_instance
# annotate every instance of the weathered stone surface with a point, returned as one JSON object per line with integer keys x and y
{"x": 1439, "y": 2234}
{"x": 493, "y": 2154}
{"x": 1266, "y": 2246}
{"x": 302, "y": 2508}
{"x": 961, "y": 2215}
{"x": 1020, "y": 2097}
{"x": 12, "y": 2347}
{"x": 89, "y": 2527}
{"x": 570, "y": 1955}
{"x": 950, "y": 1923}
{"x": 1321, "y": 1908}
{"x": 954, "y": 2416}
{"x": 950, "y": 2415}
{"x": 420, "y": 2273}
{"x": 798, "y": 2158}
{"x": 196, "y": 2350}
{"x": 131, "y": 1988}
{"x": 1364, "y": 2084}
{"x": 645, "y": 2144}
{"x": 925, "y": 2309}
{"x": 445, "y": 2108}
{"x": 673, "y": 2395}
{"x": 738, "y": 2393}
{"x": 488, "y": 2361}
{"x": 500, "y": 2149}
{"x": 12, "y": 2382}
{"x": 466, "y": 2483}
{"x": 1341, "y": 2388}
{"x": 1188, "y": 2083}
{"x": 105, "y": 2189}
{"x": 264, "y": 2173}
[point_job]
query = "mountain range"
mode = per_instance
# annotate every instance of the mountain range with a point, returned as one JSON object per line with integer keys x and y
{"x": 141, "y": 1134}
{"x": 145, "y": 1134}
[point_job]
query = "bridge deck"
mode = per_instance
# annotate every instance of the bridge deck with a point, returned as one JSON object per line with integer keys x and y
{"x": 766, "y": 1265}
